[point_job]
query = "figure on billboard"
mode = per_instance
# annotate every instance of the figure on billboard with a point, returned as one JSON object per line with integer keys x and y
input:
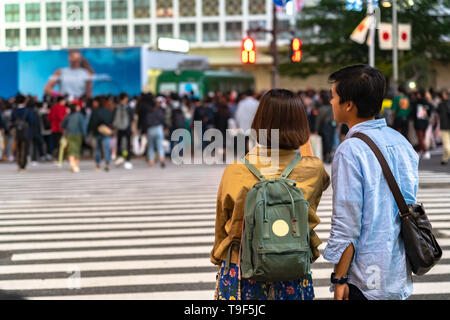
{"x": 75, "y": 80}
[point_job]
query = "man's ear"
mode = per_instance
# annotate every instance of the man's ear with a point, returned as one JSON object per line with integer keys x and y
{"x": 350, "y": 106}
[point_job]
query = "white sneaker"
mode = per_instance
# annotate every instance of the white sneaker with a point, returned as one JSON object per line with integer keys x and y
{"x": 427, "y": 155}
{"x": 128, "y": 165}
{"x": 76, "y": 169}
{"x": 119, "y": 161}
{"x": 34, "y": 164}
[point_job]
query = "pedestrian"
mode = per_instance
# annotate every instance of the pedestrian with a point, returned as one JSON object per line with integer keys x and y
{"x": 56, "y": 116}
{"x": 155, "y": 123}
{"x": 401, "y": 109}
{"x": 46, "y": 131}
{"x": 365, "y": 244}
{"x": 101, "y": 127}
{"x": 422, "y": 110}
{"x": 21, "y": 120}
{"x": 123, "y": 120}
{"x": 9, "y": 138}
{"x": 221, "y": 119}
{"x": 36, "y": 134}
{"x": 325, "y": 125}
{"x": 308, "y": 174}
{"x": 444, "y": 118}
{"x": 74, "y": 131}
{"x": 205, "y": 114}
{"x": 2, "y": 133}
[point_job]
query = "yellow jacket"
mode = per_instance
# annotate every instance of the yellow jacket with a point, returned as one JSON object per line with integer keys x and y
{"x": 237, "y": 180}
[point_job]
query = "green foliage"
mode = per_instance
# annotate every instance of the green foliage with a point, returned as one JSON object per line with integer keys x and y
{"x": 325, "y": 31}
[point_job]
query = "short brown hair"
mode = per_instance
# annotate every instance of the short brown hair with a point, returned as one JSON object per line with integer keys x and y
{"x": 282, "y": 109}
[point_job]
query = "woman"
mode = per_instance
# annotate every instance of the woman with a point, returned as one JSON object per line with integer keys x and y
{"x": 74, "y": 130}
{"x": 155, "y": 121}
{"x": 283, "y": 110}
{"x": 221, "y": 118}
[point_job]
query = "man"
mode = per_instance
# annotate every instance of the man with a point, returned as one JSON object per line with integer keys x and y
{"x": 245, "y": 112}
{"x": 444, "y": 117}
{"x": 123, "y": 119}
{"x": 55, "y": 117}
{"x": 400, "y": 112}
{"x": 75, "y": 81}
{"x": 422, "y": 110}
{"x": 22, "y": 120}
{"x": 365, "y": 243}
{"x": 100, "y": 125}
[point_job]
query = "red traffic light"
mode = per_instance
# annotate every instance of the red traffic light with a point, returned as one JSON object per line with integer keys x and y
{"x": 248, "y": 53}
{"x": 296, "y": 53}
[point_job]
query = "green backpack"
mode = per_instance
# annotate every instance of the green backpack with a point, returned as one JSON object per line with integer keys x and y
{"x": 275, "y": 239}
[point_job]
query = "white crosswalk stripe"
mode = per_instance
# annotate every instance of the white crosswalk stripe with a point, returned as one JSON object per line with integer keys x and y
{"x": 145, "y": 233}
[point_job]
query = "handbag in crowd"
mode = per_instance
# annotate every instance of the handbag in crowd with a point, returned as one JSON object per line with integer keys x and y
{"x": 105, "y": 130}
{"x": 421, "y": 247}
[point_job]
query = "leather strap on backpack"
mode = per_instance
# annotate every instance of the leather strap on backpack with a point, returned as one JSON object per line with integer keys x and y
{"x": 399, "y": 199}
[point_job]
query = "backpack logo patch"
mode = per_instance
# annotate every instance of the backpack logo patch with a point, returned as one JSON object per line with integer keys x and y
{"x": 280, "y": 228}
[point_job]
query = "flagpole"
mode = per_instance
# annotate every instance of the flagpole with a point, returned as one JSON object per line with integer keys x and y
{"x": 394, "y": 42}
{"x": 371, "y": 10}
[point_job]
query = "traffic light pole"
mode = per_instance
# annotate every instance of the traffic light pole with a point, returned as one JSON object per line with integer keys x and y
{"x": 275, "y": 75}
{"x": 394, "y": 42}
{"x": 275, "y": 62}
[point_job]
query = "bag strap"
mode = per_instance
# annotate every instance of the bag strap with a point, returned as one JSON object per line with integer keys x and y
{"x": 253, "y": 169}
{"x": 399, "y": 199}
{"x": 286, "y": 172}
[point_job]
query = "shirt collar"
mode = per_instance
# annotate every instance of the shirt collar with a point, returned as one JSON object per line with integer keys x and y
{"x": 366, "y": 125}
{"x": 263, "y": 151}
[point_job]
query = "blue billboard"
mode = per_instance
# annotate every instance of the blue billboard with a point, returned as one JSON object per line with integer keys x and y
{"x": 9, "y": 82}
{"x": 110, "y": 70}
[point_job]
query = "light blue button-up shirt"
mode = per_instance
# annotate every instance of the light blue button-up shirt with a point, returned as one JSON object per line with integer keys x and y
{"x": 365, "y": 213}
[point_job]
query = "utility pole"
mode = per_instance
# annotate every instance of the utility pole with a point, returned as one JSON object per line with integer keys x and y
{"x": 372, "y": 26}
{"x": 394, "y": 42}
{"x": 275, "y": 62}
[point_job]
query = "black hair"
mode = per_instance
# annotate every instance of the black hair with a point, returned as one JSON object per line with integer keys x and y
{"x": 363, "y": 85}
{"x": 73, "y": 108}
{"x": 20, "y": 98}
{"x": 122, "y": 96}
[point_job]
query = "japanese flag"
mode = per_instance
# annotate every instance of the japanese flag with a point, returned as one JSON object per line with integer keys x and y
{"x": 404, "y": 37}
{"x": 385, "y": 36}
{"x": 360, "y": 33}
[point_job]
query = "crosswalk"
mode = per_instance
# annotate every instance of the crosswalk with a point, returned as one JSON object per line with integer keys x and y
{"x": 145, "y": 233}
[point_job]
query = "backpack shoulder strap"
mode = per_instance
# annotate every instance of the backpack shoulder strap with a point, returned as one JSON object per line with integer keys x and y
{"x": 286, "y": 172}
{"x": 253, "y": 169}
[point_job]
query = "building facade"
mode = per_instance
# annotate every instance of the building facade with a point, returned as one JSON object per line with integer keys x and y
{"x": 50, "y": 24}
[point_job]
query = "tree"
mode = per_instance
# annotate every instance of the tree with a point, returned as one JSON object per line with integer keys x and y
{"x": 325, "y": 30}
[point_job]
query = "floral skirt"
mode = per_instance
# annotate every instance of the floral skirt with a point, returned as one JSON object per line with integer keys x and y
{"x": 229, "y": 287}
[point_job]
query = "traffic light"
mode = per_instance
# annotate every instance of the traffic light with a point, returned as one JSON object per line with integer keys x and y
{"x": 296, "y": 53}
{"x": 248, "y": 52}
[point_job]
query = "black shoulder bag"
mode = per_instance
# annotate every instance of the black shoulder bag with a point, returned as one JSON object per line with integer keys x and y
{"x": 422, "y": 249}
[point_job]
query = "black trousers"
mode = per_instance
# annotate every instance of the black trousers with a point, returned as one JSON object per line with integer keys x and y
{"x": 402, "y": 126}
{"x": 38, "y": 147}
{"x": 355, "y": 293}
{"x": 56, "y": 136}
{"x": 127, "y": 135}
{"x": 22, "y": 148}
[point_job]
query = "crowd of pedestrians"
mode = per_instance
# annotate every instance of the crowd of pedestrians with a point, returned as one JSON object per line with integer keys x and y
{"x": 116, "y": 128}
